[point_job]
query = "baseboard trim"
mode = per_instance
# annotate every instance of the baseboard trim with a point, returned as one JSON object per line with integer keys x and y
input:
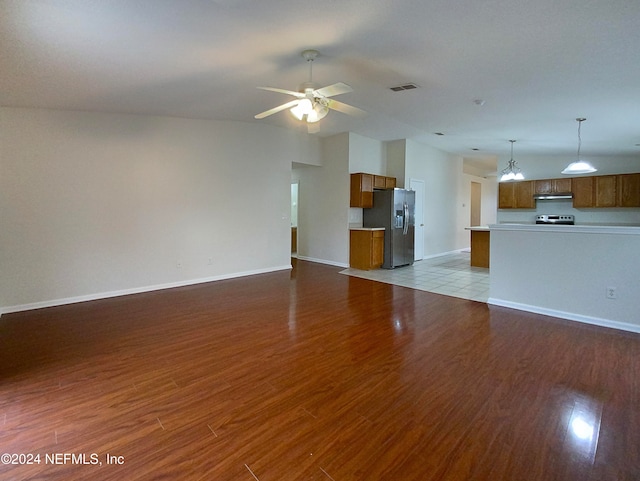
{"x": 137, "y": 290}
{"x": 570, "y": 316}
{"x": 322, "y": 261}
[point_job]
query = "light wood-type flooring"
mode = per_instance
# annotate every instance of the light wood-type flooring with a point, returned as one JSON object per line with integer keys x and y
{"x": 313, "y": 375}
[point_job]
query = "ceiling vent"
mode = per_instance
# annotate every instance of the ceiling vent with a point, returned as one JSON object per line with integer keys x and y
{"x": 400, "y": 88}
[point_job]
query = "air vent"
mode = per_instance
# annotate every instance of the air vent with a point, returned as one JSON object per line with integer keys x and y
{"x": 400, "y": 88}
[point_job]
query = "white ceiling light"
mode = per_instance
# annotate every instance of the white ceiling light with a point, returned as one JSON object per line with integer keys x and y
{"x": 579, "y": 166}
{"x": 512, "y": 172}
{"x": 313, "y": 111}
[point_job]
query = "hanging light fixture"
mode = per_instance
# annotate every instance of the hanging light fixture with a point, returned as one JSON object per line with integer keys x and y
{"x": 579, "y": 166}
{"x": 310, "y": 108}
{"x": 512, "y": 172}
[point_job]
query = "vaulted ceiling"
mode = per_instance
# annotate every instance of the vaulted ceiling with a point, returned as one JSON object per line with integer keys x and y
{"x": 487, "y": 71}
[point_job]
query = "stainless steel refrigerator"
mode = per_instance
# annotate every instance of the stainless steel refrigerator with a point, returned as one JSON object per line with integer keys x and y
{"x": 394, "y": 209}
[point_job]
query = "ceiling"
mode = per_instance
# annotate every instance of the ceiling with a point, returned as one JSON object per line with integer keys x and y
{"x": 487, "y": 71}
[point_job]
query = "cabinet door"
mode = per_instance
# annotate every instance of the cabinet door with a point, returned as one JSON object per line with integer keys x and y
{"x": 524, "y": 195}
{"x": 583, "y": 192}
{"x": 377, "y": 248}
{"x": 390, "y": 182}
{"x": 506, "y": 195}
{"x": 361, "y": 190}
{"x": 544, "y": 186}
{"x": 379, "y": 182}
{"x": 561, "y": 186}
{"x": 606, "y": 195}
{"x": 629, "y": 190}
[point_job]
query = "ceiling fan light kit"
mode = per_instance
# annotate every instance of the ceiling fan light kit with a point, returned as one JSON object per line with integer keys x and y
{"x": 579, "y": 166}
{"x": 313, "y": 103}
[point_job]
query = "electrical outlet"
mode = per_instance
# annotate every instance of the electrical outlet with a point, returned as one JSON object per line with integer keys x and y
{"x": 179, "y": 264}
{"x": 612, "y": 292}
{"x": 210, "y": 260}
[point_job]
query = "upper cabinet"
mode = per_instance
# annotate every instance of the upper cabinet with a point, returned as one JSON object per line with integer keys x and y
{"x": 629, "y": 190}
{"x": 516, "y": 195}
{"x": 383, "y": 182}
{"x": 596, "y": 191}
{"x": 583, "y": 192}
{"x": 552, "y": 186}
{"x": 362, "y": 186}
{"x": 606, "y": 190}
{"x": 361, "y": 190}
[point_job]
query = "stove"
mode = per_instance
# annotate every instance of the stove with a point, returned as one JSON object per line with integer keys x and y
{"x": 555, "y": 219}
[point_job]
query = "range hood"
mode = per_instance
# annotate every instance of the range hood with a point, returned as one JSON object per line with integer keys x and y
{"x": 558, "y": 196}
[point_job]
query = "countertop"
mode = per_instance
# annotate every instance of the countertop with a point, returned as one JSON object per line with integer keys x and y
{"x": 578, "y": 229}
{"x": 482, "y": 228}
{"x": 366, "y": 228}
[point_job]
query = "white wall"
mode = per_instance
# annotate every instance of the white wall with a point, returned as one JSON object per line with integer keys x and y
{"x": 564, "y": 271}
{"x": 323, "y": 214}
{"x": 446, "y": 210}
{"x": 95, "y": 204}
{"x": 396, "y": 161}
{"x": 367, "y": 155}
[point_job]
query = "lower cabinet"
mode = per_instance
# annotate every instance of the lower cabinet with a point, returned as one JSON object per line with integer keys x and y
{"x": 366, "y": 248}
{"x": 480, "y": 248}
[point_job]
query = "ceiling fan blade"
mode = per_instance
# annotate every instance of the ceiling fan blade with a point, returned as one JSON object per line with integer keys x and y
{"x": 335, "y": 89}
{"x": 283, "y": 91}
{"x": 345, "y": 109}
{"x": 277, "y": 109}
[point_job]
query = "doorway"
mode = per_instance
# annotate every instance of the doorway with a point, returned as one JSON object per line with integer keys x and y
{"x": 475, "y": 204}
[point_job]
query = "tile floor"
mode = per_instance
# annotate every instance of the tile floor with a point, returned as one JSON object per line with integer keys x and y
{"x": 451, "y": 275}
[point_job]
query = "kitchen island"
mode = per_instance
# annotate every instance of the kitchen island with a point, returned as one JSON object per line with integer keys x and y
{"x": 580, "y": 272}
{"x": 480, "y": 246}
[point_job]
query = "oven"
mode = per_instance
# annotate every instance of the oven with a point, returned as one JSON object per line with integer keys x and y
{"x": 555, "y": 219}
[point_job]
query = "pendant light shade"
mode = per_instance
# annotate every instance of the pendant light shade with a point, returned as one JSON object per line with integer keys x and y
{"x": 512, "y": 172}
{"x": 579, "y": 166}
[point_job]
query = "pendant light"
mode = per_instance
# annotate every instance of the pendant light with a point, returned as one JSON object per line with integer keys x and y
{"x": 579, "y": 166}
{"x": 512, "y": 172}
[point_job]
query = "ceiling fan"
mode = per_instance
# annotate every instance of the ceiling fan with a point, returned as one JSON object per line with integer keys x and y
{"x": 312, "y": 103}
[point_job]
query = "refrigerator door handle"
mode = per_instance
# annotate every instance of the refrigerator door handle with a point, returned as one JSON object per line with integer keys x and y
{"x": 405, "y": 230}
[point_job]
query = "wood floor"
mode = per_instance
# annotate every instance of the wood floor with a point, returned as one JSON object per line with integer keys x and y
{"x": 313, "y": 375}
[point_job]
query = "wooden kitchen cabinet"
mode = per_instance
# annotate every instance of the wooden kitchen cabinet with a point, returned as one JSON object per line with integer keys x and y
{"x": 516, "y": 195}
{"x": 628, "y": 190}
{"x": 480, "y": 247}
{"x": 583, "y": 192}
{"x": 362, "y": 186}
{"x": 383, "y": 182}
{"x": 552, "y": 186}
{"x": 366, "y": 248}
{"x": 361, "y": 190}
{"x": 606, "y": 190}
{"x": 595, "y": 191}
